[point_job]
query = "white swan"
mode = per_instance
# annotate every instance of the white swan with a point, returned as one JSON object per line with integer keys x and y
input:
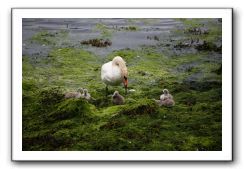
{"x": 115, "y": 72}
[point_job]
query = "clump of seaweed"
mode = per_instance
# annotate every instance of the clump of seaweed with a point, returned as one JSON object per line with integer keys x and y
{"x": 153, "y": 38}
{"x": 208, "y": 46}
{"x": 197, "y": 31}
{"x": 199, "y": 45}
{"x": 128, "y": 28}
{"x": 97, "y": 42}
{"x": 181, "y": 45}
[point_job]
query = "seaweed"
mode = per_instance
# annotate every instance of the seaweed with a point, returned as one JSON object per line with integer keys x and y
{"x": 189, "y": 67}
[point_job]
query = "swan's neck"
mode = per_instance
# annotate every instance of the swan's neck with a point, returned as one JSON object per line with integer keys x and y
{"x": 122, "y": 67}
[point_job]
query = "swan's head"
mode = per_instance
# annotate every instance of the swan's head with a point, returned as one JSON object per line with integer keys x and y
{"x": 118, "y": 61}
{"x": 166, "y": 91}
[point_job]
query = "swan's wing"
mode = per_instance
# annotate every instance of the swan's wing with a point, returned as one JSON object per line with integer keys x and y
{"x": 106, "y": 70}
{"x": 110, "y": 75}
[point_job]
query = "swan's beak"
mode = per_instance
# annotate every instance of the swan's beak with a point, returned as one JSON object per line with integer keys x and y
{"x": 126, "y": 83}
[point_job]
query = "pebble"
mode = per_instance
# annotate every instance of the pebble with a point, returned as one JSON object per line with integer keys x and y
{"x": 132, "y": 90}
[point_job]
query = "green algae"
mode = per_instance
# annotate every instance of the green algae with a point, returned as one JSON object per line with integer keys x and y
{"x": 51, "y": 122}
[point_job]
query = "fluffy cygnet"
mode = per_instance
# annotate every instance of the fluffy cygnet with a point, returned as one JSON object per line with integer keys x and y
{"x": 86, "y": 95}
{"x": 117, "y": 98}
{"x": 166, "y": 95}
{"x": 73, "y": 94}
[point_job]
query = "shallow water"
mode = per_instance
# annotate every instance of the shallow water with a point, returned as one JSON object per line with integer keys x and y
{"x": 83, "y": 29}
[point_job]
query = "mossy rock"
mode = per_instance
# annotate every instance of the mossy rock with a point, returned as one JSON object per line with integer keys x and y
{"x": 28, "y": 85}
{"x": 67, "y": 124}
{"x": 141, "y": 107}
{"x": 43, "y": 137}
{"x": 71, "y": 108}
{"x": 51, "y": 96}
{"x": 114, "y": 123}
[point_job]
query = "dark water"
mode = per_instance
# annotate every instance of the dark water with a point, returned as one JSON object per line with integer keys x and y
{"x": 83, "y": 29}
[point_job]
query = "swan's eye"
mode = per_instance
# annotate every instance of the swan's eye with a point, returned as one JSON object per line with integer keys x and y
{"x": 117, "y": 64}
{"x": 125, "y": 77}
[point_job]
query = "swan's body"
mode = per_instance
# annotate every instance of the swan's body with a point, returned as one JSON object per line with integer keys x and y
{"x": 115, "y": 72}
{"x": 111, "y": 75}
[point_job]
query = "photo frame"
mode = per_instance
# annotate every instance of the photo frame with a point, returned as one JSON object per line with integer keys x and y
{"x": 20, "y": 14}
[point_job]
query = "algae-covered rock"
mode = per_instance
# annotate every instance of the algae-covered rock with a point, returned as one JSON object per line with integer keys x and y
{"x": 51, "y": 96}
{"x": 72, "y": 108}
{"x": 143, "y": 106}
{"x": 114, "y": 123}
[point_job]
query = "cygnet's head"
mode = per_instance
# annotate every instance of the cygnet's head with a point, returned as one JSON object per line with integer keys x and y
{"x": 165, "y": 91}
{"x": 85, "y": 91}
{"x": 80, "y": 90}
{"x": 116, "y": 93}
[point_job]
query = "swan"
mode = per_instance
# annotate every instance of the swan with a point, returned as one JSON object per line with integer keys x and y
{"x": 73, "y": 94}
{"x": 115, "y": 72}
{"x": 117, "y": 98}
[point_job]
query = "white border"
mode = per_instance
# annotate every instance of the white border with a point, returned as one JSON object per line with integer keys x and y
{"x": 19, "y": 155}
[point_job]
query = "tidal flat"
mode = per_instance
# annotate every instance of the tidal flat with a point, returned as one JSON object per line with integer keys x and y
{"x": 181, "y": 55}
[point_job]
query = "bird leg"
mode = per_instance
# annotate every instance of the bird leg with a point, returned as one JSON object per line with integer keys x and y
{"x": 125, "y": 90}
{"x": 106, "y": 90}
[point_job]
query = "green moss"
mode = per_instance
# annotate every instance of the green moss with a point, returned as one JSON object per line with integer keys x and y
{"x": 51, "y": 122}
{"x": 143, "y": 106}
{"x": 48, "y": 38}
{"x": 213, "y": 29}
{"x": 71, "y": 108}
{"x": 105, "y": 31}
{"x": 131, "y": 28}
{"x": 67, "y": 124}
{"x": 127, "y": 54}
{"x": 52, "y": 96}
